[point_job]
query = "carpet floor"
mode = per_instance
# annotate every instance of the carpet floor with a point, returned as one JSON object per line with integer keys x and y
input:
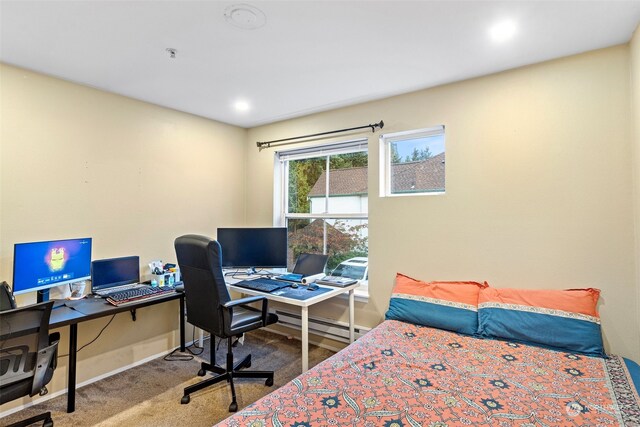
{"x": 149, "y": 394}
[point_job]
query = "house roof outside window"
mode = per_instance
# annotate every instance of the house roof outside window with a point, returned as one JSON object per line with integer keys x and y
{"x": 407, "y": 177}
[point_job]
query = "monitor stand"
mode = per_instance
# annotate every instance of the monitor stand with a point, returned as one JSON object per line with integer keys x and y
{"x": 43, "y": 295}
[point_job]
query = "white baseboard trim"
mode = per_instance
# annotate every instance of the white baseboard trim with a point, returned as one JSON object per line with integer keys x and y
{"x": 311, "y": 341}
{"x": 50, "y": 396}
{"x": 284, "y": 334}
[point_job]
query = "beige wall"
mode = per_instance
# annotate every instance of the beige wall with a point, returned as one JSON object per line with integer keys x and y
{"x": 80, "y": 162}
{"x": 538, "y": 186}
{"x": 635, "y": 98}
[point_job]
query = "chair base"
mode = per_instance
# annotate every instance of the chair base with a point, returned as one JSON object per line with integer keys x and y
{"x": 232, "y": 371}
{"x": 46, "y": 418}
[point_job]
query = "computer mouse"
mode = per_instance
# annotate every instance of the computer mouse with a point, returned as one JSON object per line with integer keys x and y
{"x": 312, "y": 287}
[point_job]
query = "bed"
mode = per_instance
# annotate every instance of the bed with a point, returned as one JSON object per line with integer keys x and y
{"x": 402, "y": 374}
{"x": 464, "y": 353}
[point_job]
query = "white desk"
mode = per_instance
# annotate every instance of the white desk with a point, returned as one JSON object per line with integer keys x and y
{"x": 304, "y": 309}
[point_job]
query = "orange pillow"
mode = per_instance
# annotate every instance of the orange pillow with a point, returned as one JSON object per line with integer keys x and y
{"x": 561, "y": 319}
{"x": 445, "y": 305}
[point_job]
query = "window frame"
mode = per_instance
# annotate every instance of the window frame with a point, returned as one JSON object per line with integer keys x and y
{"x": 385, "y": 142}
{"x": 281, "y": 186}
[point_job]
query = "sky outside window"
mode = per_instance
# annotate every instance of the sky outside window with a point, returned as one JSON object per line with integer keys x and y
{"x": 406, "y": 147}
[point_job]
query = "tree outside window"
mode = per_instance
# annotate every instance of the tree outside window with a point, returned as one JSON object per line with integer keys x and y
{"x": 326, "y": 209}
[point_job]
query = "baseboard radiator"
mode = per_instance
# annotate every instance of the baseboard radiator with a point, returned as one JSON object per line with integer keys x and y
{"x": 333, "y": 329}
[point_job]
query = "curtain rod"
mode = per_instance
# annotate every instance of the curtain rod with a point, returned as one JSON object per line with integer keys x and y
{"x": 267, "y": 144}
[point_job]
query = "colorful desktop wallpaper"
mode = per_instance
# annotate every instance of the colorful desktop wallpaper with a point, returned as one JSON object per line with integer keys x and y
{"x": 56, "y": 259}
{"x": 41, "y": 265}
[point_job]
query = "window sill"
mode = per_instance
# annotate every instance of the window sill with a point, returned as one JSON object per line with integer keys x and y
{"x": 431, "y": 193}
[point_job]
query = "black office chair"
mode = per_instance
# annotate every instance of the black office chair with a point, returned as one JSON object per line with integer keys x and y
{"x": 209, "y": 307}
{"x": 7, "y": 302}
{"x": 27, "y": 353}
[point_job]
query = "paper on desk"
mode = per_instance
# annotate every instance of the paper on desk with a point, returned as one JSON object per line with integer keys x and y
{"x": 313, "y": 278}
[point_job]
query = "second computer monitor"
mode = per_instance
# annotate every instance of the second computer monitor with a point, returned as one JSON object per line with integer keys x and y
{"x": 253, "y": 247}
{"x": 113, "y": 272}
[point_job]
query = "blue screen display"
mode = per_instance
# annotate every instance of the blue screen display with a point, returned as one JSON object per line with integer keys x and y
{"x": 42, "y": 265}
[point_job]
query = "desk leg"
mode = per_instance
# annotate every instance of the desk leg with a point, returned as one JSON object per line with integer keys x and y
{"x": 73, "y": 354}
{"x": 305, "y": 338}
{"x": 352, "y": 334}
{"x": 182, "y": 346}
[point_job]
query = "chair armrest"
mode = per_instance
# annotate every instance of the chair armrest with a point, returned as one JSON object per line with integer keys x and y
{"x": 44, "y": 359}
{"x": 54, "y": 338}
{"x": 248, "y": 300}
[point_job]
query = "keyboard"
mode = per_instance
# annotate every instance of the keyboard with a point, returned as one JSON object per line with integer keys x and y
{"x": 262, "y": 284}
{"x": 107, "y": 292}
{"x": 135, "y": 295}
{"x": 340, "y": 282}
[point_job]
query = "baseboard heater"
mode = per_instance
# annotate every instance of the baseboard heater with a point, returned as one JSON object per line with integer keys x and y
{"x": 328, "y": 328}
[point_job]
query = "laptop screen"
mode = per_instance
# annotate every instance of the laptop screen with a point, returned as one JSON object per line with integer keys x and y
{"x": 114, "y": 272}
{"x": 310, "y": 264}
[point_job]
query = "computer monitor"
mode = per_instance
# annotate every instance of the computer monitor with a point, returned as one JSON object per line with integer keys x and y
{"x": 253, "y": 247}
{"x": 114, "y": 272}
{"x": 38, "y": 266}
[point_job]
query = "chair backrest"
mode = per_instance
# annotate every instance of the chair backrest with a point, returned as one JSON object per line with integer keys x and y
{"x": 6, "y": 297}
{"x": 25, "y": 352}
{"x": 200, "y": 262}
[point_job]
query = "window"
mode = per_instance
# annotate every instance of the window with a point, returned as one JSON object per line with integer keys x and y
{"x": 412, "y": 162}
{"x": 321, "y": 196}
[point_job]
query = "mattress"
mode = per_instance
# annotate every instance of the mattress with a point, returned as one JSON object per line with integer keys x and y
{"x": 401, "y": 374}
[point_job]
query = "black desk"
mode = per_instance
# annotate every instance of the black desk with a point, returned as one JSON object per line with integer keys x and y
{"x": 89, "y": 309}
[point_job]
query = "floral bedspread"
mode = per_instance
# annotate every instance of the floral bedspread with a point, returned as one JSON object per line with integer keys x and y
{"x": 400, "y": 374}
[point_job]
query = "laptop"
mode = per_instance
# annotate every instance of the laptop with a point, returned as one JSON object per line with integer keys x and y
{"x": 306, "y": 265}
{"x": 115, "y": 274}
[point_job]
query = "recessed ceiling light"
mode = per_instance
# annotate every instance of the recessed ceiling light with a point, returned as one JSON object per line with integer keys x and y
{"x": 503, "y": 31}
{"x": 241, "y": 106}
{"x": 245, "y": 16}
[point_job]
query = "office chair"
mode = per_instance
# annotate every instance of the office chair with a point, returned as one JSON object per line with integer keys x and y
{"x": 27, "y": 354}
{"x": 209, "y": 307}
{"x": 7, "y": 302}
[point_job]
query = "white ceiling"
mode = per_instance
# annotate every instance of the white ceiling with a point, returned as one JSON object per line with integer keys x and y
{"x": 310, "y": 56}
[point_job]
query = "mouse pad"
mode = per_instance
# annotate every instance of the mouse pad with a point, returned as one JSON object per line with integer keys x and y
{"x": 300, "y": 293}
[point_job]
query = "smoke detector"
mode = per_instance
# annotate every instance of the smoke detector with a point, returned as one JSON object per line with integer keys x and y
{"x": 171, "y": 52}
{"x": 245, "y": 16}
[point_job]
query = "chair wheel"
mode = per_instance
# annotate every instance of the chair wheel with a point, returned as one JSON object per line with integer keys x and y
{"x": 248, "y": 364}
{"x": 201, "y": 372}
{"x": 185, "y": 399}
{"x": 48, "y": 423}
{"x": 269, "y": 382}
{"x": 233, "y": 407}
